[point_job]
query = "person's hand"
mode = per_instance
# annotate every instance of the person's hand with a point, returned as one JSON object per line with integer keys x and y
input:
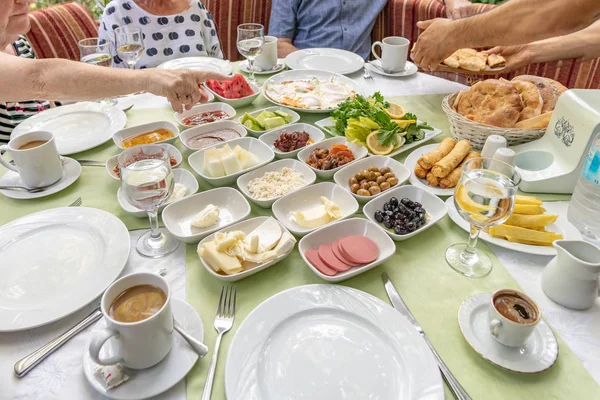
{"x": 435, "y": 44}
{"x": 180, "y": 87}
{"x": 516, "y": 56}
{"x": 457, "y": 9}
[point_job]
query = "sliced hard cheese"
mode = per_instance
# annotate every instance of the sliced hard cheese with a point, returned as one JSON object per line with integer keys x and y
{"x": 269, "y": 233}
{"x": 225, "y": 241}
{"x": 219, "y": 261}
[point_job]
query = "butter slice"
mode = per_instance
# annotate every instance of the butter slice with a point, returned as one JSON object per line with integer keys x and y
{"x": 312, "y": 218}
{"x": 207, "y": 217}
{"x": 219, "y": 261}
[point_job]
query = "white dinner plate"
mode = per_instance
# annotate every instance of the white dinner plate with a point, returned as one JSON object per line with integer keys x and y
{"x": 332, "y": 60}
{"x": 56, "y": 261}
{"x": 199, "y": 64}
{"x": 562, "y": 226}
{"x": 323, "y": 342}
{"x": 411, "y": 163}
{"x": 429, "y": 134}
{"x": 409, "y": 69}
{"x": 76, "y": 127}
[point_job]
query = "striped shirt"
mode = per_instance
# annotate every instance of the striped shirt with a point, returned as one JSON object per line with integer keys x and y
{"x": 13, "y": 113}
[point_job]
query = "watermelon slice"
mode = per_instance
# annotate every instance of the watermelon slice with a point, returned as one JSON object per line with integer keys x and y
{"x": 234, "y": 88}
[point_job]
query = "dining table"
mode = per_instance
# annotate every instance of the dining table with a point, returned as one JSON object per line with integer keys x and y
{"x": 430, "y": 288}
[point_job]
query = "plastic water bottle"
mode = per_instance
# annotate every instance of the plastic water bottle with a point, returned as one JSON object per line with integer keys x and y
{"x": 584, "y": 209}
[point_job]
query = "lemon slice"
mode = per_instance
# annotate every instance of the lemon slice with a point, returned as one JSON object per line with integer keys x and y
{"x": 375, "y": 146}
{"x": 395, "y": 111}
{"x": 404, "y": 123}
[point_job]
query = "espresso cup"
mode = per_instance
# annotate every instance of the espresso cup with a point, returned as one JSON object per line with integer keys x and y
{"x": 394, "y": 51}
{"x": 267, "y": 59}
{"x": 142, "y": 344}
{"x": 37, "y": 166}
{"x": 506, "y": 331}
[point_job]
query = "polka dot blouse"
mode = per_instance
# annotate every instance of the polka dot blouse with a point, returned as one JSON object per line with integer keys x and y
{"x": 188, "y": 34}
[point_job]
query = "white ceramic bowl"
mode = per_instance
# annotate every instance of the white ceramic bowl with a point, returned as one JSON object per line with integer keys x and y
{"x": 236, "y": 103}
{"x": 314, "y": 133}
{"x": 138, "y": 130}
{"x": 202, "y": 108}
{"x": 207, "y": 129}
{"x": 180, "y": 175}
{"x": 178, "y": 216}
{"x": 435, "y": 208}
{"x": 242, "y": 182}
{"x": 254, "y": 146}
{"x": 343, "y": 175}
{"x": 358, "y": 151}
{"x": 310, "y": 197}
{"x": 341, "y": 229}
{"x": 295, "y": 118}
{"x": 246, "y": 227}
{"x": 174, "y": 151}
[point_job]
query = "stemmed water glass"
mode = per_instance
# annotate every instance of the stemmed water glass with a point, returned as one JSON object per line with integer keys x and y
{"x": 250, "y": 41}
{"x": 94, "y": 51}
{"x": 147, "y": 183}
{"x": 129, "y": 44}
{"x": 484, "y": 197}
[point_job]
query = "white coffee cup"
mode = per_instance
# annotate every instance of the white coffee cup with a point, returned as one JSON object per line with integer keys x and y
{"x": 394, "y": 52}
{"x": 505, "y": 331}
{"x": 142, "y": 344}
{"x": 38, "y": 166}
{"x": 267, "y": 59}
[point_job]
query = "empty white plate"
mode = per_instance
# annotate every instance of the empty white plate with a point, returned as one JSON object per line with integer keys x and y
{"x": 332, "y": 60}
{"x": 199, "y": 64}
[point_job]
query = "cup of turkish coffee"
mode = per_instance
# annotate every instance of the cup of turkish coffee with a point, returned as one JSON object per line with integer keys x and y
{"x": 137, "y": 310}
{"x": 512, "y": 317}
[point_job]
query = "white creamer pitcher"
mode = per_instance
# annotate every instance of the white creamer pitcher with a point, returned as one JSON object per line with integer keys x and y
{"x": 571, "y": 278}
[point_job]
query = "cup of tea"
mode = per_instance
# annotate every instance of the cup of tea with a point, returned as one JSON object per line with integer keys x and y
{"x": 36, "y": 158}
{"x": 512, "y": 317}
{"x": 137, "y": 310}
{"x": 394, "y": 52}
{"x": 267, "y": 59}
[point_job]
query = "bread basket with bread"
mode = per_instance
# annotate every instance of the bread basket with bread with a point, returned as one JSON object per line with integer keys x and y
{"x": 519, "y": 110}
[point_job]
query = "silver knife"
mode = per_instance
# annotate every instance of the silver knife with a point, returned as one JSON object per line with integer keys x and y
{"x": 91, "y": 163}
{"x": 457, "y": 390}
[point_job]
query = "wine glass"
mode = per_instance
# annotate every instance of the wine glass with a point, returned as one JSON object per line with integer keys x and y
{"x": 96, "y": 52}
{"x": 130, "y": 44}
{"x": 147, "y": 182}
{"x": 484, "y": 197}
{"x": 250, "y": 41}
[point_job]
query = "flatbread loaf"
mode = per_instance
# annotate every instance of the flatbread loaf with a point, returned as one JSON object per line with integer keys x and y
{"x": 549, "y": 89}
{"x": 491, "y": 102}
{"x": 541, "y": 121}
{"x": 532, "y": 100}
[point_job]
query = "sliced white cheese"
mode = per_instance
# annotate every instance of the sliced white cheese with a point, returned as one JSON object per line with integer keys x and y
{"x": 260, "y": 257}
{"x": 207, "y": 217}
{"x": 286, "y": 244}
{"x": 219, "y": 261}
{"x": 212, "y": 163}
{"x": 312, "y": 218}
{"x": 247, "y": 159}
{"x": 231, "y": 164}
{"x": 179, "y": 191}
{"x": 254, "y": 243}
{"x": 269, "y": 233}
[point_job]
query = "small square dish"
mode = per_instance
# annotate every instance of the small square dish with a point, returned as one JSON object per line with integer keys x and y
{"x": 178, "y": 217}
{"x": 236, "y": 103}
{"x": 203, "y": 136}
{"x": 279, "y": 186}
{"x": 278, "y": 115}
{"x": 175, "y": 157}
{"x": 315, "y": 135}
{"x": 307, "y": 204}
{"x": 205, "y": 114}
{"x": 358, "y": 231}
{"x": 435, "y": 209}
{"x": 146, "y": 134}
{"x": 357, "y": 151}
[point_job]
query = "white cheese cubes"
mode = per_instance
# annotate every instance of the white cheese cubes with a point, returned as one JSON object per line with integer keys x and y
{"x": 223, "y": 161}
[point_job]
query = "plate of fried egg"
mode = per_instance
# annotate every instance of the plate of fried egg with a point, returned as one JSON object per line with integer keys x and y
{"x": 312, "y": 91}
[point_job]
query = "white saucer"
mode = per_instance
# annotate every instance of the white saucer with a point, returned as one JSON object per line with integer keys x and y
{"x": 244, "y": 68}
{"x": 409, "y": 69}
{"x": 537, "y": 354}
{"x": 71, "y": 172}
{"x": 163, "y": 376}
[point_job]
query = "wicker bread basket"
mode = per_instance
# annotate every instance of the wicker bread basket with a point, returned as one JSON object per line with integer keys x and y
{"x": 476, "y": 133}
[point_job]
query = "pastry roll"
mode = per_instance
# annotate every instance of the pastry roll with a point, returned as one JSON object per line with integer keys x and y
{"x": 432, "y": 179}
{"x": 420, "y": 172}
{"x": 451, "y": 180}
{"x": 443, "y": 167}
{"x": 428, "y": 160}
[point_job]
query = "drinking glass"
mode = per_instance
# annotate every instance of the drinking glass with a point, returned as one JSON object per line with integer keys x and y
{"x": 96, "y": 52}
{"x": 130, "y": 45}
{"x": 484, "y": 197}
{"x": 147, "y": 183}
{"x": 250, "y": 40}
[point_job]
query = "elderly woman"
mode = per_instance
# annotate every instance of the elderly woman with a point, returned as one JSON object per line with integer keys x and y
{"x": 171, "y": 29}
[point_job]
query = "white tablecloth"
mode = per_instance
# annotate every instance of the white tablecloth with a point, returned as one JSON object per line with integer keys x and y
{"x": 61, "y": 375}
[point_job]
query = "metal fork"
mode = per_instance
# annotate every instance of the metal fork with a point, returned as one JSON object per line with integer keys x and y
{"x": 367, "y": 76}
{"x": 76, "y": 203}
{"x": 223, "y": 323}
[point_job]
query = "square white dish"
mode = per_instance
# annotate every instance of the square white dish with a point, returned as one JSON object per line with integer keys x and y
{"x": 174, "y": 151}
{"x": 207, "y": 129}
{"x": 341, "y": 229}
{"x": 343, "y": 175}
{"x": 119, "y": 136}
{"x": 254, "y": 146}
{"x": 295, "y": 118}
{"x": 310, "y": 197}
{"x": 305, "y": 170}
{"x": 435, "y": 208}
{"x": 246, "y": 227}
{"x": 315, "y": 134}
{"x": 178, "y": 216}
{"x": 358, "y": 151}
{"x": 202, "y": 108}
{"x": 236, "y": 103}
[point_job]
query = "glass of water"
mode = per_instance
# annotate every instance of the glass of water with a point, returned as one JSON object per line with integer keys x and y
{"x": 147, "y": 183}
{"x": 96, "y": 52}
{"x": 250, "y": 41}
{"x": 130, "y": 44}
{"x": 484, "y": 197}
